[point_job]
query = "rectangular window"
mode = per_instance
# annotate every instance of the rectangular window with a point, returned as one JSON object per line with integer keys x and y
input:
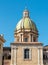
{"x": 26, "y": 53}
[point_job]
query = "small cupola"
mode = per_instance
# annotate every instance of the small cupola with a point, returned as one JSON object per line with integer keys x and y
{"x": 25, "y": 13}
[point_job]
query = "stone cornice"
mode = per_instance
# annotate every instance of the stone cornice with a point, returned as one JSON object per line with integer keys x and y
{"x": 26, "y": 30}
{"x": 26, "y": 43}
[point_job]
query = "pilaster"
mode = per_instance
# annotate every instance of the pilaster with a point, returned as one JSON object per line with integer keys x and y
{"x": 14, "y": 56}
{"x": 40, "y": 56}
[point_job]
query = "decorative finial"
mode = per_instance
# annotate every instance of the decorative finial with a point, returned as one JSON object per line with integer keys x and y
{"x": 2, "y": 35}
{"x": 25, "y": 8}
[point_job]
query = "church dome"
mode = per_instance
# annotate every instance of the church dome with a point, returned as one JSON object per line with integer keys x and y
{"x": 26, "y": 23}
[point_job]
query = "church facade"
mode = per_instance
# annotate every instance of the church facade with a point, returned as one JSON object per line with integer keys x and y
{"x": 25, "y": 49}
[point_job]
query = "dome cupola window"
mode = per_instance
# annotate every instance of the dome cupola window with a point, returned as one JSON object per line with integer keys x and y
{"x": 34, "y": 39}
{"x": 25, "y": 39}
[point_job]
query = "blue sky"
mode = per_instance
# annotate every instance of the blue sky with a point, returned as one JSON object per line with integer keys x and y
{"x": 11, "y": 13}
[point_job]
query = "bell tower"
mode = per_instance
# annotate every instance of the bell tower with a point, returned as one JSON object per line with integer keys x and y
{"x": 26, "y": 50}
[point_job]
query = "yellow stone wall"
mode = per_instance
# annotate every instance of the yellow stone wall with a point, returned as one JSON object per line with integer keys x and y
{"x": 32, "y": 61}
{"x": 17, "y": 55}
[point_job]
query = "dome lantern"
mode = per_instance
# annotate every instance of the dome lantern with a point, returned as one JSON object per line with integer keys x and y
{"x": 25, "y": 13}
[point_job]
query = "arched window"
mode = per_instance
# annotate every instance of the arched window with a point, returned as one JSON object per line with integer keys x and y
{"x": 26, "y": 53}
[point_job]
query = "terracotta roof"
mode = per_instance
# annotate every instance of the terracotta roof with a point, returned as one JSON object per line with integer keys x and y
{"x": 46, "y": 47}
